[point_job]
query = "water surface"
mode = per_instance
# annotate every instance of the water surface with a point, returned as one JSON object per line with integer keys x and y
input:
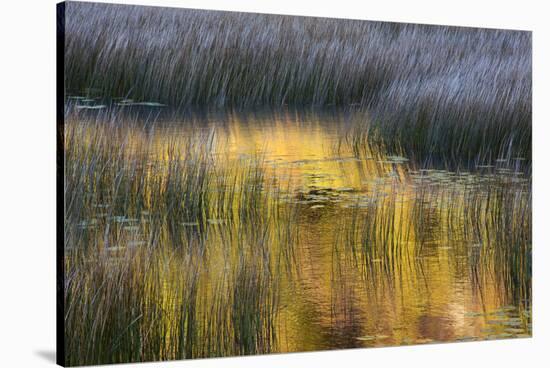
{"x": 335, "y": 249}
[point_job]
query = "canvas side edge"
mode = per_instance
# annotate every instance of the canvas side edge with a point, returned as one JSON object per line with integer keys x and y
{"x": 60, "y": 170}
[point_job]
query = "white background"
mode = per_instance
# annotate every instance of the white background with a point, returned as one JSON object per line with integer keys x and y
{"x": 27, "y": 181}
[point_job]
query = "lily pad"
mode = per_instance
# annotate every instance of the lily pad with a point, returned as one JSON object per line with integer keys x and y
{"x": 91, "y": 107}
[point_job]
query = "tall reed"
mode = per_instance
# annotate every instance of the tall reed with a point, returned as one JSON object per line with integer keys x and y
{"x": 169, "y": 253}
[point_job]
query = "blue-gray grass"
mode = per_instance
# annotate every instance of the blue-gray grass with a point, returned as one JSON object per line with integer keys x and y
{"x": 458, "y": 92}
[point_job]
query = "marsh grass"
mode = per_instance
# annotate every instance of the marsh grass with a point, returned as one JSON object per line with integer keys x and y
{"x": 448, "y": 93}
{"x": 442, "y": 142}
{"x": 170, "y": 254}
{"x": 176, "y": 248}
{"x": 488, "y": 220}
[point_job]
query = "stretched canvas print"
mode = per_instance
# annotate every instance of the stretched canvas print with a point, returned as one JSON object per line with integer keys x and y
{"x": 236, "y": 183}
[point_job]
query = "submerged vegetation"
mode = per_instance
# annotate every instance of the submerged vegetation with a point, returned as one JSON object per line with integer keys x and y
{"x": 243, "y": 184}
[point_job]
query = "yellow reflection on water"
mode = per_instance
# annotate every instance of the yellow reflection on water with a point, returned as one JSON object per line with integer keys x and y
{"x": 335, "y": 251}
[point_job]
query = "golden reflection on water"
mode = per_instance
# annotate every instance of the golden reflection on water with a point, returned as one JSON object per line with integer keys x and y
{"x": 382, "y": 255}
{"x": 330, "y": 302}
